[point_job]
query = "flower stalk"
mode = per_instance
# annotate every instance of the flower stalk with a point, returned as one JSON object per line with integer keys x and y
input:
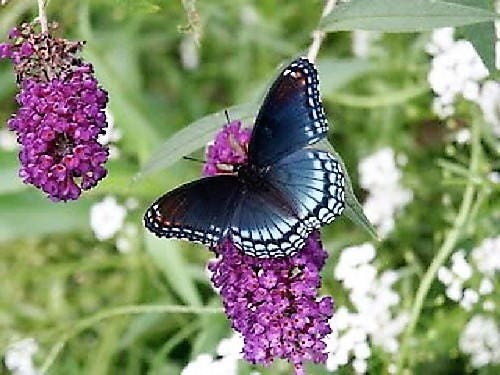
{"x": 318, "y": 34}
{"x": 445, "y": 250}
{"x": 42, "y": 17}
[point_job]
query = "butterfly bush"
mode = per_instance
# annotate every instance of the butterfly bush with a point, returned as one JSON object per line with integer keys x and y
{"x": 60, "y": 115}
{"x": 273, "y": 303}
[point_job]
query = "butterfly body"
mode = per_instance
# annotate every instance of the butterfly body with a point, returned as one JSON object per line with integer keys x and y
{"x": 286, "y": 189}
{"x": 252, "y": 176}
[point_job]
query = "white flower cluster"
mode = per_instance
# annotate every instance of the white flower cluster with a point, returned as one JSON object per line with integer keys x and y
{"x": 229, "y": 351}
{"x": 457, "y": 70}
{"x": 487, "y": 256}
{"x": 381, "y": 178}
{"x": 8, "y": 140}
{"x": 372, "y": 297}
{"x": 111, "y": 136}
{"x": 362, "y": 42}
{"x": 489, "y": 101}
{"x": 19, "y": 357}
{"x": 459, "y": 278}
{"x": 481, "y": 340}
{"x": 107, "y": 219}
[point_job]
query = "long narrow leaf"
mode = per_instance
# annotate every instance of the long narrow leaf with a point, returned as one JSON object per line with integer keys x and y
{"x": 482, "y": 36}
{"x": 193, "y": 137}
{"x": 394, "y": 16}
{"x": 169, "y": 258}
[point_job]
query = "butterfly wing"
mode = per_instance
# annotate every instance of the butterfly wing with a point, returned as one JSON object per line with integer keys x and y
{"x": 314, "y": 183}
{"x": 264, "y": 224}
{"x": 310, "y": 183}
{"x": 291, "y": 116}
{"x": 199, "y": 211}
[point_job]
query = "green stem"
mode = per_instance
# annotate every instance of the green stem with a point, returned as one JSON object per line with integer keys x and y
{"x": 375, "y": 101}
{"x": 318, "y": 34}
{"x": 42, "y": 17}
{"x": 88, "y": 322}
{"x": 444, "y": 251}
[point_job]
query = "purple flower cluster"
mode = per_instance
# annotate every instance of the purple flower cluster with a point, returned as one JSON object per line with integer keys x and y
{"x": 61, "y": 114}
{"x": 228, "y": 148}
{"x": 273, "y": 303}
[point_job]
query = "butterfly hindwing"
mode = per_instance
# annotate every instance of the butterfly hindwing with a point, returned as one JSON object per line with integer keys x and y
{"x": 311, "y": 183}
{"x": 291, "y": 116}
{"x": 314, "y": 184}
{"x": 263, "y": 224}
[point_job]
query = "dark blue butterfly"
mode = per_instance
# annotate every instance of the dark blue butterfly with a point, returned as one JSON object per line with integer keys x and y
{"x": 270, "y": 204}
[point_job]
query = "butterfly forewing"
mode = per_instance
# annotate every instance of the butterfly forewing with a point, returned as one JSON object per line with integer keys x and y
{"x": 199, "y": 211}
{"x": 291, "y": 116}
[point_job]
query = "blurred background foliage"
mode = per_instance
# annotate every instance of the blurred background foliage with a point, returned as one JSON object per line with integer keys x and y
{"x": 53, "y": 270}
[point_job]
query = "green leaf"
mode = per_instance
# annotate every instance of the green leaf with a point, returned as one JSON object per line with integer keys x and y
{"x": 9, "y": 177}
{"x": 395, "y": 16}
{"x": 193, "y": 137}
{"x": 482, "y": 36}
{"x": 28, "y": 214}
{"x": 169, "y": 258}
{"x": 353, "y": 210}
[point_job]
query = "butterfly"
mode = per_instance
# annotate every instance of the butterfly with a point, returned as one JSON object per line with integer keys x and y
{"x": 270, "y": 204}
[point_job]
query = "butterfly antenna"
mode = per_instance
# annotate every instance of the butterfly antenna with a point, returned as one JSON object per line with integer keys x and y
{"x": 193, "y": 159}
{"x": 227, "y": 116}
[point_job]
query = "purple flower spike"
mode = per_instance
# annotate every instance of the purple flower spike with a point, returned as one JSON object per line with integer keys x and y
{"x": 273, "y": 303}
{"x": 60, "y": 115}
{"x": 60, "y": 153}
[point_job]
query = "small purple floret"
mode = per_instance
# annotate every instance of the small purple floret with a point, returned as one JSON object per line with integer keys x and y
{"x": 228, "y": 148}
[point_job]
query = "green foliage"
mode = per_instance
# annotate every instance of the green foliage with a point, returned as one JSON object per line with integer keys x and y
{"x": 482, "y": 36}
{"x": 403, "y": 15}
{"x": 97, "y": 311}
